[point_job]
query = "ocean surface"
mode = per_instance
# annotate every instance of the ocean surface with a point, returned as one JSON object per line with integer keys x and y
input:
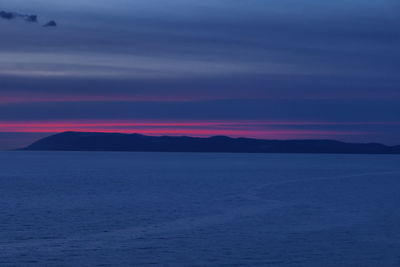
{"x": 198, "y": 209}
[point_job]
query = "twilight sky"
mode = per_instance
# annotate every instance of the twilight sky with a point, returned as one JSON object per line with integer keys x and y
{"x": 288, "y": 69}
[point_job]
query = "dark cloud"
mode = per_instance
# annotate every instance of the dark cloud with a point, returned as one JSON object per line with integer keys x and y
{"x": 28, "y": 18}
{"x": 51, "y": 23}
{"x": 13, "y": 15}
{"x": 31, "y": 18}
{"x": 7, "y": 15}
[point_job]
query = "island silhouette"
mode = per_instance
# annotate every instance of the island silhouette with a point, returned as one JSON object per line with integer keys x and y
{"x": 97, "y": 141}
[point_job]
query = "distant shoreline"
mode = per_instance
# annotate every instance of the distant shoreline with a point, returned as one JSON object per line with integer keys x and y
{"x": 104, "y": 142}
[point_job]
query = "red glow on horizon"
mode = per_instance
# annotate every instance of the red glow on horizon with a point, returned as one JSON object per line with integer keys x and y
{"x": 252, "y": 129}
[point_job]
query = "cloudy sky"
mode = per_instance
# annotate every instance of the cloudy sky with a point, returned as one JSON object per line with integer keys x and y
{"x": 288, "y": 69}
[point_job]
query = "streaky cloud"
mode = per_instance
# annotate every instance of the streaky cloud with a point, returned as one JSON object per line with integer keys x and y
{"x": 13, "y": 15}
{"x": 26, "y": 17}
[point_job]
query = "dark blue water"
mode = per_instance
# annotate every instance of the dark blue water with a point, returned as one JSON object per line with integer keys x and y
{"x": 184, "y": 209}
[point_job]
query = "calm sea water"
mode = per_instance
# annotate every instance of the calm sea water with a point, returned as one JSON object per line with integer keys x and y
{"x": 198, "y": 209}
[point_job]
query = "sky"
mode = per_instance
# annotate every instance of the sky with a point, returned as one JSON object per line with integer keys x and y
{"x": 288, "y": 69}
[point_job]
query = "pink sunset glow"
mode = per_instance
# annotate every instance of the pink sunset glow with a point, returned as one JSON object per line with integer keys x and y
{"x": 255, "y": 129}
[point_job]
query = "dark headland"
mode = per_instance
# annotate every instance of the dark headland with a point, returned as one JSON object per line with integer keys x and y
{"x": 89, "y": 141}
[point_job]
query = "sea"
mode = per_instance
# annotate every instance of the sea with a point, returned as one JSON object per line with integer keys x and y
{"x": 198, "y": 209}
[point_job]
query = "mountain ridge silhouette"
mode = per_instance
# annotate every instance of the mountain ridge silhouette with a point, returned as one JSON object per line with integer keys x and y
{"x": 98, "y": 141}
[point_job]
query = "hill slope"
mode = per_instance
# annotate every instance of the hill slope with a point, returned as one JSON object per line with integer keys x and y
{"x": 89, "y": 141}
